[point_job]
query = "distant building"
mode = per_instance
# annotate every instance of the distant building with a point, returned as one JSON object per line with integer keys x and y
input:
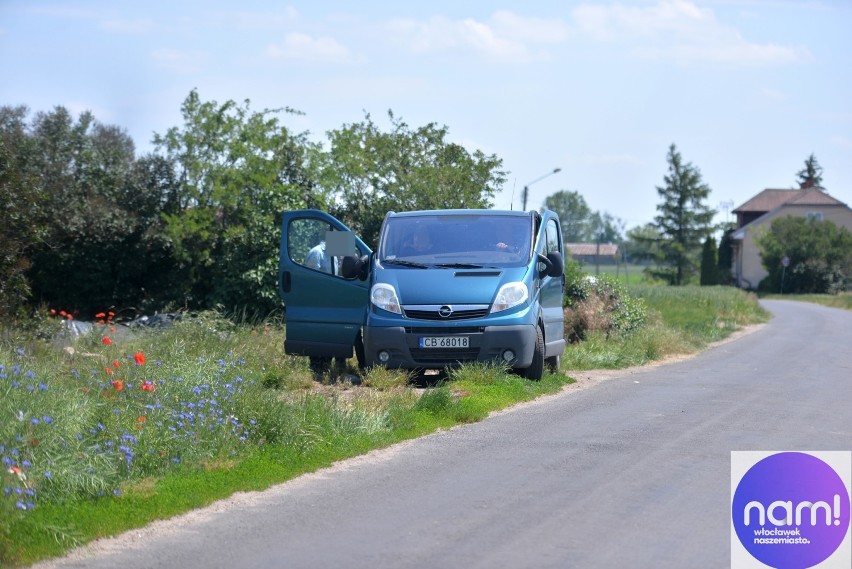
{"x": 594, "y": 253}
{"x": 757, "y": 213}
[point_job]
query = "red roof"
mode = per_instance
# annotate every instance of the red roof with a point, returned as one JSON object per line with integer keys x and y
{"x": 606, "y": 249}
{"x": 769, "y": 199}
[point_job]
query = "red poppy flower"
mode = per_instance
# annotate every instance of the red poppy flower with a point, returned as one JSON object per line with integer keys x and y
{"x": 106, "y": 340}
{"x": 69, "y": 317}
{"x": 108, "y": 370}
{"x": 139, "y": 357}
{"x": 53, "y": 312}
{"x": 62, "y": 313}
{"x": 115, "y": 364}
{"x": 118, "y": 384}
{"x": 100, "y": 315}
{"x": 147, "y": 386}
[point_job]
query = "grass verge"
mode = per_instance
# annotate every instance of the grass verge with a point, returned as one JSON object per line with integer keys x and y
{"x": 842, "y": 300}
{"x": 124, "y": 429}
{"x": 681, "y": 320}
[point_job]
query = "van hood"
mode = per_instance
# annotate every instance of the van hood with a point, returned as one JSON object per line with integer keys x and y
{"x": 448, "y": 286}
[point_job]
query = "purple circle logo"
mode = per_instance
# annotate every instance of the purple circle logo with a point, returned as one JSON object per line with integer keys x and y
{"x": 791, "y": 510}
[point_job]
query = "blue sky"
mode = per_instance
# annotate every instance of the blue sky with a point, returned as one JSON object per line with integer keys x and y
{"x": 746, "y": 89}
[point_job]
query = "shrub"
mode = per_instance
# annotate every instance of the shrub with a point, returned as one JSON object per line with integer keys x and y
{"x": 600, "y": 304}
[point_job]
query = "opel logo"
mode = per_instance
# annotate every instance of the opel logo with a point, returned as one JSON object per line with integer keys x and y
{"x": 445, "y": 311}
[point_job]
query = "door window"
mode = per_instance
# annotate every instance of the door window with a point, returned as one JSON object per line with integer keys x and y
{"x": 316, "y": 245}
{"x": 552, "y": 237}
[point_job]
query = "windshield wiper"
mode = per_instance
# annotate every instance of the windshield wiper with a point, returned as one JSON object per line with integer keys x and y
{"x": 459, "y": 266}
{"x": 405, "y": 263}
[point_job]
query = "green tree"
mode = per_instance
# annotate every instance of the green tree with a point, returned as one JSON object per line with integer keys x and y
{"x": 237, "y": 171}
{"x": 811, "y": 175}
{"x": 574, "y": 214}
{"x": 605, "y": 228}
{"x": 725, "y": 255}
{"x": 642, "y": 244}
{"x": 709, "y": 263}
{"x": 820, "y": 254}
{"x": 369, "y": 172}
{"x": 21, "y": 220}
{"x": 684, "y": 219}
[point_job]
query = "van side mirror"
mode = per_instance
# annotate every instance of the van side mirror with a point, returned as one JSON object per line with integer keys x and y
{"x": 554, "y": 265}
{"x": 353, "y": 267}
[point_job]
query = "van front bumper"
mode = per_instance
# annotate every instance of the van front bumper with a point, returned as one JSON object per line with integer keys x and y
{"x": 400, "y": 347}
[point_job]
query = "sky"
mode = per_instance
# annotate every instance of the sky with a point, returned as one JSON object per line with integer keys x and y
{"x": 747, "y": 90}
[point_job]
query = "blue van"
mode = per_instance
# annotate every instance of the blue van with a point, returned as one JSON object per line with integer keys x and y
{"x": 443, "y": 288}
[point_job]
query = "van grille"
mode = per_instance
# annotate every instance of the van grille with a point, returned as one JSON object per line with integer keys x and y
{"x": 446, "y": 311}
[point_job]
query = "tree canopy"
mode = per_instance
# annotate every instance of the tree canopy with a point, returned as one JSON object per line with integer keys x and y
{"x": 811, "y": 175}
{"x": 86, "y": 225}
{"x": 369, "y": 172}
{"x": 684, "y": 219}
{"x": 820, "y": 254}
{"x": 579, "y": 223}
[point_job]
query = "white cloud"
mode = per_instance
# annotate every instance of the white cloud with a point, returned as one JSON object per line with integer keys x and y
{"x": 180, "y": 61}
{"x": 504, "y": 36}
{"x": 678, "y": 30}
{"x": 302, "y": 47}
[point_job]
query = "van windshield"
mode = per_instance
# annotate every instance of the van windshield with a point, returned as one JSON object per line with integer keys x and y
{"x": 457, "y": 240}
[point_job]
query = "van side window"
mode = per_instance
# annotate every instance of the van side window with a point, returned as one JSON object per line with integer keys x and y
{"x": 306, "y": 243}
{"x": 553, "y": 240}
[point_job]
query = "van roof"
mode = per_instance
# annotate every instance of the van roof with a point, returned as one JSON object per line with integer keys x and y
{"x": 461, "y": 212}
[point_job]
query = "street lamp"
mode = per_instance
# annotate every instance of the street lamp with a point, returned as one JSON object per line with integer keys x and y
{"x": 527, "y": 187}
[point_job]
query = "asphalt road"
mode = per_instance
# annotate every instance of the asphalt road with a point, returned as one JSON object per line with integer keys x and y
{"x": 633, "y": 471}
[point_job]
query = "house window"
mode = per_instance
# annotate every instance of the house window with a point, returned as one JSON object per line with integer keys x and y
{"x": 815, "y": 215}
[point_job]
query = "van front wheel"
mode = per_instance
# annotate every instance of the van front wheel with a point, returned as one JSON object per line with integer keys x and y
{"x": 536, "y": 369}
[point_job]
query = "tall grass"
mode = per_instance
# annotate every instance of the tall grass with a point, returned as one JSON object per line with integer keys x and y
{"x": 109, "y": 431}
{"x": 680, "y": 320}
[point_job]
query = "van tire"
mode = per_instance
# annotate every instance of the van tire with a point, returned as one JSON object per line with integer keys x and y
{"x": 536, "y": 369}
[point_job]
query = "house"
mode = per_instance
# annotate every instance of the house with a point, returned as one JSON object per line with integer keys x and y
{"x": 594, "y": 253}
{"x": 757, "y": 214}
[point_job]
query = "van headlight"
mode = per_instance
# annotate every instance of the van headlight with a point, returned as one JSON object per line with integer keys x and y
{"x": 384, "y": 296}
{"x": 509, "y": 295}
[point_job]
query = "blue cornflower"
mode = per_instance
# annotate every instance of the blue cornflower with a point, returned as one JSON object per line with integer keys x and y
{"x": 43, "y": 386}
{"x": 26, "y": 463}
{"x": 117, "y": 492}
{"x": 31, "y": 374}
{"x": 20, "y": 505}
{"x": 20, "y": 351}
{"x": 47, "y": 419}
{"x": 176, "y": 460}
{"x": 34, "y": 421}
{"x": 48, "y": 475}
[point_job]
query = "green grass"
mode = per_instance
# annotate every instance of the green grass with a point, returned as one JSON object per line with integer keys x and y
{"x": 681, "y": 320}
{"x": 626, "y": 273}
{"x": 842, "y": 300}
{"x": 229, "y": 411}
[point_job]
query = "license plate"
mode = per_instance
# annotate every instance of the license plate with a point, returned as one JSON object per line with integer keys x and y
{"x": 444, "y": 342}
